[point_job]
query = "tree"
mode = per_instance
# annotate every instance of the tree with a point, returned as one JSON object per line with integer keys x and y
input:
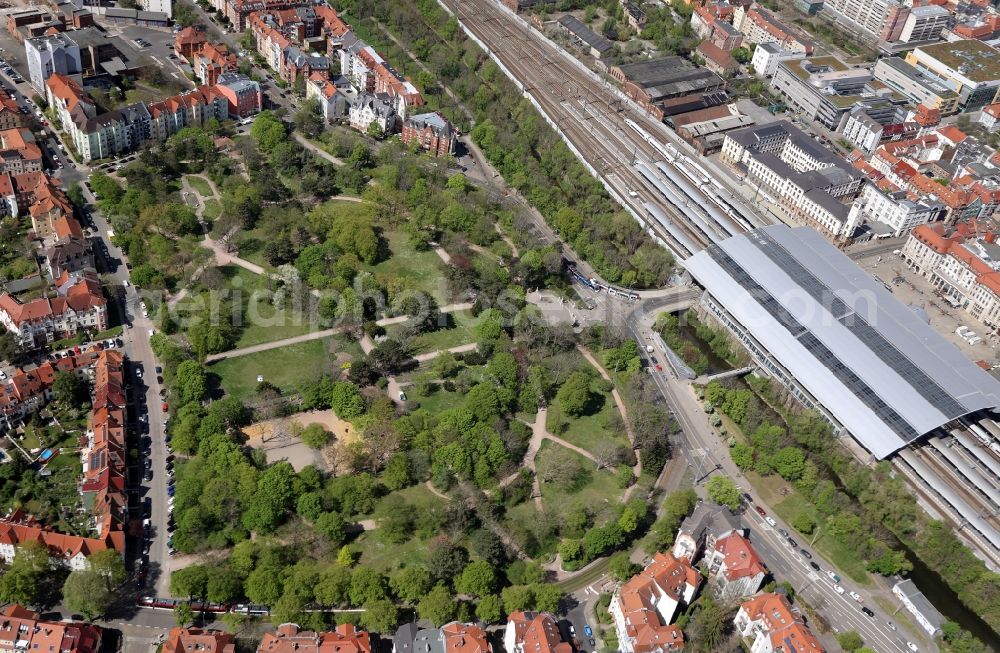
{"x": 789, "y": 462}
{"x": 411, "y": 583}
{"x": 398, "y": 473}
{"x": 190, "y": 582}
{"x": 803, "y": 523}
{"x": 710, "y": 625}
{"x": 547, "y": 597}
{"x": 850, "y": 641}
{"x": 183, "y": 614}
{"x": 742, "y": 55}
{"x": 189, "y": 381}
{"x": 890, "y": 563}
{"x": 478, "y": 579}
{"x": 517, "y": 597}
{"x": 315, "y": 436}
{"x": 438, "y": 606}
{"x": 395, "y": 523}
{"x": 723, "y": 491}
{"x": 489, "y": 609}
{"x": 87, "y": 592}
{"x": 331, "y": 524}
{"x": 367, "y": 586}
{"x": 346, "y": 400}
{"x": 108, "y": 564}
{"x": 309, "y": 120}
{"x": 621, "y": 567}
{"x": 563, "y": 468}
{"x": 574, "y": 396}
{"x": 742, "y": 455}
{"x": 69, "y": 389}
{"x": 380, "y": 616}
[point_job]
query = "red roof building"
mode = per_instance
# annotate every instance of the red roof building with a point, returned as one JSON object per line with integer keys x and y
{"x": 534, "y": 632}
{"x": 289, "y": 639}
{"x": 18, "y": 624}
{"x": 737, "y": 569}
{"x": 188, "y": 41}
{"x": 645, "y": 606}
{"x": 773, "y": 626}
{"x": 191, "y": 640}
{"x": 69, "y": 551}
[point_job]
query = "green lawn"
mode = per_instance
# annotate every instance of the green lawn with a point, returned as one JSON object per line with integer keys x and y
{"x": 435, "y": 402}
{"x": 787, "y": 507}
{"x": 462, "y": 332}
{"x": 587, "y": 431}
{"x": 200, "y": 184}
{"x": 288, "y": 368}
{"x": 213, "y": 209}
{"x": 408, "y": 268}
{"x": 377, "y": 553}
{"x": 599, "y": 496}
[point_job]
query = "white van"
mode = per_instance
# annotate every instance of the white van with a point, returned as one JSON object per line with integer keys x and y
{"x": 962, "y": 331}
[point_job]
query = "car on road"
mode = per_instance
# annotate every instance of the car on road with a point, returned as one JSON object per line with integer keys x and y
{"x": 891, "y": 625}
{"x": 659, "y": 368}
{"x": 912, "y": 647}
{"x": 856, "y": 597}
{"x": 868, "y": 612}
{"x": 792, "y": 543}
{"x": 592, "y": 642}
{"x": 748, "y": 498}
{"x": 165, "y": 407}
{"x": 834, "y": 577}
{"x": 148, "y": 476}
{"x": 783, "y": 532}
{"x": 838, "y": 589}
{"x": 586, "y": 629}
{"x": 806, "y": 554}
{"x": 814, "y": 566}
{"x": 138, "y": 372}
{"x": 770, "y": 521}
{"x": 760, "y": 511}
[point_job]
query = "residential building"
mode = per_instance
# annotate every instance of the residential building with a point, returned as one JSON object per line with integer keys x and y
{"x": 52, "y": 54}
{"x": 700, "y": 530}
{"x": 866, "y": 133}
{"x": 916, "y": 85}
{"x": 717, "y": 60}
{"x": 736, "y": 569}
{"x": 759, "y": 25}
{"x": 370, "y": 73}
{"x": 534, "y": 632}
{"x": 635, "y": 16}
{"x": 725, "y": 36}
{"x": 80, "y": 307}
{"x": 243, "y": 95}
{"x": 432, "y": 132}
{"x": 239, "y": 11}
{"x": 165, "y": 7}
{"x": 826, "y": 89}
{"x": 895, "y": 210}
{"x": 867, "y": 19}
{"x": 104, "y": 484}
{"x": 373, "y": 110}
{"x": 595, "y": 44}
{"x": 191, "y": 109}
{"x": 211, "y": 61}
{"x": 970, "y": 67}
{"x": 24, "y": 630}
{"x": 917, "y": 604}
{"x": 644, "y": 607}
{"x": 772, "y": 625}
{"x": 288, "y": 638}
{"x": 806, "y": 180}
{"x": 924, "y": 24}
{"x": 68, "y": 254}
{"x": 37, "y": 196}
{"x": 963, "y": 264}
{"x": 10, "y": 114}
{"x": 186, "y": 640}
{"x": 69, "y": 551}
{"x": 454, "y": 637}
{"x": 767, "y": 56}
{"x": 989, "y": 117}
{"x": 121, "y": 16}
{"x": 18, "y": 152}
{"x": 887, "y": 378}
{"x": 332, "y": 102}
{"x": 188, "y": 41}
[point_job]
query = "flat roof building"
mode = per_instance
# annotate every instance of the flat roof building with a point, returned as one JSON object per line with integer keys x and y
{"x": 654, "y": 81}
{"x": 916, "y": 85}
{"x": 970, "y": 68}
{"x": 917, "y": 604}
{"x": 837, "y": 339}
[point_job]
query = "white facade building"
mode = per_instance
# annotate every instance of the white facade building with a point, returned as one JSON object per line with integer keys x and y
{"x": 894, "y": 210}
{"x": 767, "y": 56}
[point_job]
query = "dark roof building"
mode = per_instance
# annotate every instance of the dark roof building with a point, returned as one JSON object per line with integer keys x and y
{"x": 595, "y": 43}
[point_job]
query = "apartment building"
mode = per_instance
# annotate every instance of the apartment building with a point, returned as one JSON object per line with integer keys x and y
{"x": 806, "y": 180}
{"x": 736, "y": 569}
{"x": 332, "y": 101}
{"x": 186, "y": 640}
{"x": 80, "y": 306}
{"x": 370, "y": 73}
{"x": 895, "y": 210}
{"x": 52, "y": 54}
{"x": 534, "y": 632}
{"x": 962, "y": 263}
{"x": 432, "y": 132}
{"x": 24, "y": 630}
{"x": 68, "y": 551}
{"x": 370, "y": 112}
{"x": 643, "y": 608}
{"x": 759, "y": 25}
{"x": 865, "y": 18}
{"x": 767, "y": 56}
{"x": 19, "y": 152}
{"x": 924, "y": 24}
{"x": 211, "y": 61}
{"x": 289, "y": 638}
{"x": 454, "y": 637}
{"x": 772, "y": 625}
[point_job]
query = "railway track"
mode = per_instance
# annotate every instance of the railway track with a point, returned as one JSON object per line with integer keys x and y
{"x": 589, "y": 115}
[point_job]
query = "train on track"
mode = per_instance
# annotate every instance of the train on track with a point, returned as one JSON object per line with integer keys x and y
{"x": 597, "y": 286}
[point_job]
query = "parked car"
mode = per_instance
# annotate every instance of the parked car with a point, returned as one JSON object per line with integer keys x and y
{"x": 834, "y": 577}
{"x": 760, "y": 511}
{"x": 814, "y": 566}
{"x": 792, "y": 543}
{"x": 783, "y": 532}
{"x": 912, "y": 647}
{"x": 868, "y": 612}
{"x": 856, "y": 597}
{"x": 806, "y": 554}
{"x": 748, "y": 498}
{"x": 770, "y": 521}
{"x": 838, "y": 589}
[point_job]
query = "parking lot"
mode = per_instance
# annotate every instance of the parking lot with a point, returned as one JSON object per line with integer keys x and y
{"x": 160, "y": 49}
{"x": 916, "y": 291}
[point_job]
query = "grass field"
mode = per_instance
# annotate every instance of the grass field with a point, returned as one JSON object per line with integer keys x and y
{"x": 462, "y": 332}
{"x": 788, "y": 506}
{"x": 437, "y": 401}
{"x": 600, "y": 495}
{"x": 587, "y": 431}
{"x": 213, "y": 209}
{"x": 200, "y": 184}
{"x": 378, "y": 554}
{"x": 288, "y": 368}
{"x": 414, "y": 270}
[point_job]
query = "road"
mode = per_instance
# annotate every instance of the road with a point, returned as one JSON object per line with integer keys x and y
{"x": 589, "y": 112}
{"x": 706, "y": 454}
